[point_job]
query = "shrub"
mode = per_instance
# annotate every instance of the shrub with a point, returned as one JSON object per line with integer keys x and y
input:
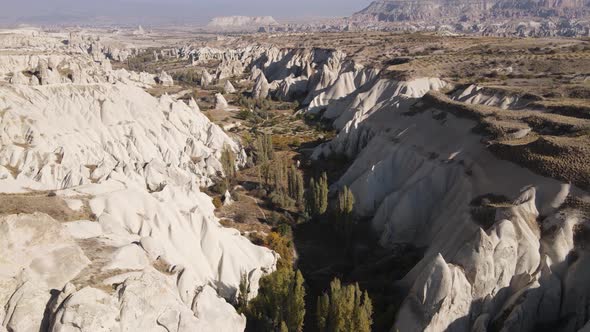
{"x": 283, "y": 246}
{"x": 217, "y": 202}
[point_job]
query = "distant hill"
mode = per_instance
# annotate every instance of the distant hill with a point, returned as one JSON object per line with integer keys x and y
{"x": 241, "y": 22}
{"x": 420, "y": 10}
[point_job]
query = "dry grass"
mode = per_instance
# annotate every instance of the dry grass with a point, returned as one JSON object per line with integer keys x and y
{"x": 555, "y": 124}
{"x": 557, "y": 147}
{"x": 563, "y": 158}
{"x": 93, "y": 275}
{"x": 578, "y": 108}
{"x": 158, "y": 90}
{"x": 246, "y": 227}
{"x": 14, "y": 171}
{"x": 44, "y": 202}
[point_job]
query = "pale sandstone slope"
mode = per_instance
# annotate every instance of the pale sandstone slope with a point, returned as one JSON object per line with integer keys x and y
{"x": 421, "y": 174}
{"x": 153, "y": 256}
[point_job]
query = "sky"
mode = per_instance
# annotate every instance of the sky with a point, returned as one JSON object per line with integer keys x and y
{"x": 169, "y": 11}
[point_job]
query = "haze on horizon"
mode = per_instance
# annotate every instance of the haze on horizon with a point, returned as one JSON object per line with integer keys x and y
{"x": 153, "y": 12}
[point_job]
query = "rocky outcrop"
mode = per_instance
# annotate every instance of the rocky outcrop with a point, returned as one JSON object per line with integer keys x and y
{"x": 229, "y": 68}
{"x": 421, "y": 177}
{"x": 206, "y": 78}
{"x": 228, "y": 87}
{"x": 220, "y": 102}
{"x": 19, "y": 78}
{"x": 165, "y": 79}
{"x": 440, "y": 10}
{"x": 38, "y": 255}
{"x": 261, "y": 87}
{"x": 240, "y": 22}
{"x": 148, "y": 252}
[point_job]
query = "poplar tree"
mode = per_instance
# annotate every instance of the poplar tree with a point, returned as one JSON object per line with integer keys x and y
{"x": 344, "y": 218}
{"x": 243, "y": 292}
{"x": 263, "y": 148}
{"x": 322, "y": 310}
{"x": 296, "y": 304}
{"x": 318, "y": 195}
{"x": 344, "y": 308}
{"x": 280, "y": 302}
{"x": 228, "y": 163}
{"x": 295, "y": 185}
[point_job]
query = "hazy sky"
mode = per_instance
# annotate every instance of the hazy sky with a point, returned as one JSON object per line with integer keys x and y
{"x": 184, "y": 11}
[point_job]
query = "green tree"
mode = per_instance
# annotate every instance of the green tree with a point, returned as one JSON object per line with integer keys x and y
{"x": 296, "y": 304}
{"x": 228, "y": 163}
{"x": 280, "y": 300}
{"x": 344, "y": 217}
{"x": 322, "y": 310}
{"x": 243, "y": 293}
{"x": 344, "y": 308}
{"x": 263, "y": 148}
{"x": 295, "y": 185}
{"x": 283, "y": 246}
{"x": 345, "y": 202}
{"x": 284, "y": 327}
{"x": 278, "y": 174}
{"x": 317, "y": 201}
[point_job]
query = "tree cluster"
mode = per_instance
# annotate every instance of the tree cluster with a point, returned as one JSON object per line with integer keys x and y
{"x": 187, "y": 77}
{"x": 317, "y": 195}
{"x": 263, "y": 149}
{"x": 284, "y": 182}
{"x": 253, "y": 104}
{"x": 344, "y": 308}
{"x": 280, "y": 304}
{"x": 296, "y": 187}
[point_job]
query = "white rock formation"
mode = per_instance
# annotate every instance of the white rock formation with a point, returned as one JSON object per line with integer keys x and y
{"x": 19, "y": 78}
{"x": 206, "y": 78}
{"x": 417, "y": 177}
{"x": 220, "y": 102}
{"x": 193, "y": 105}
{"x": 227, "y": 199}
{"x": 165, "y": 79}
{"x": 228, "y": 87}
{"x": 139, "y": 31}
{"x": 229, "y": 68}
{"x": 261, "y": 87}
{"x": 154, "y": 256}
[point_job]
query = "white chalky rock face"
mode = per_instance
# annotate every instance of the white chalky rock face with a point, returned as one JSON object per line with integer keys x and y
{"x": 206, "y": 78}
{"x": 228, "y": 87}
{"x": 154, "y": 256}
{"x": 261, "y": 87}
{"x": 417, "y": 176}
{"x": 98, "y": 131}
{"x": 220, "y": 102}
{"x": 165, "y": 79}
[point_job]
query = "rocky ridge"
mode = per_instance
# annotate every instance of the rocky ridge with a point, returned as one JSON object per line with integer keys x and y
{"x": 241, "y": 22}
{"x": 504, "y": 245}
{"x": 503, "y": 18}
{"x": 137, "y": 238}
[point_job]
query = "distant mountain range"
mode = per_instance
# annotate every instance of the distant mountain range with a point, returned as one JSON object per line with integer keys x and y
{"x": 232, "y": 22}
{"x": 422, "y": 10}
